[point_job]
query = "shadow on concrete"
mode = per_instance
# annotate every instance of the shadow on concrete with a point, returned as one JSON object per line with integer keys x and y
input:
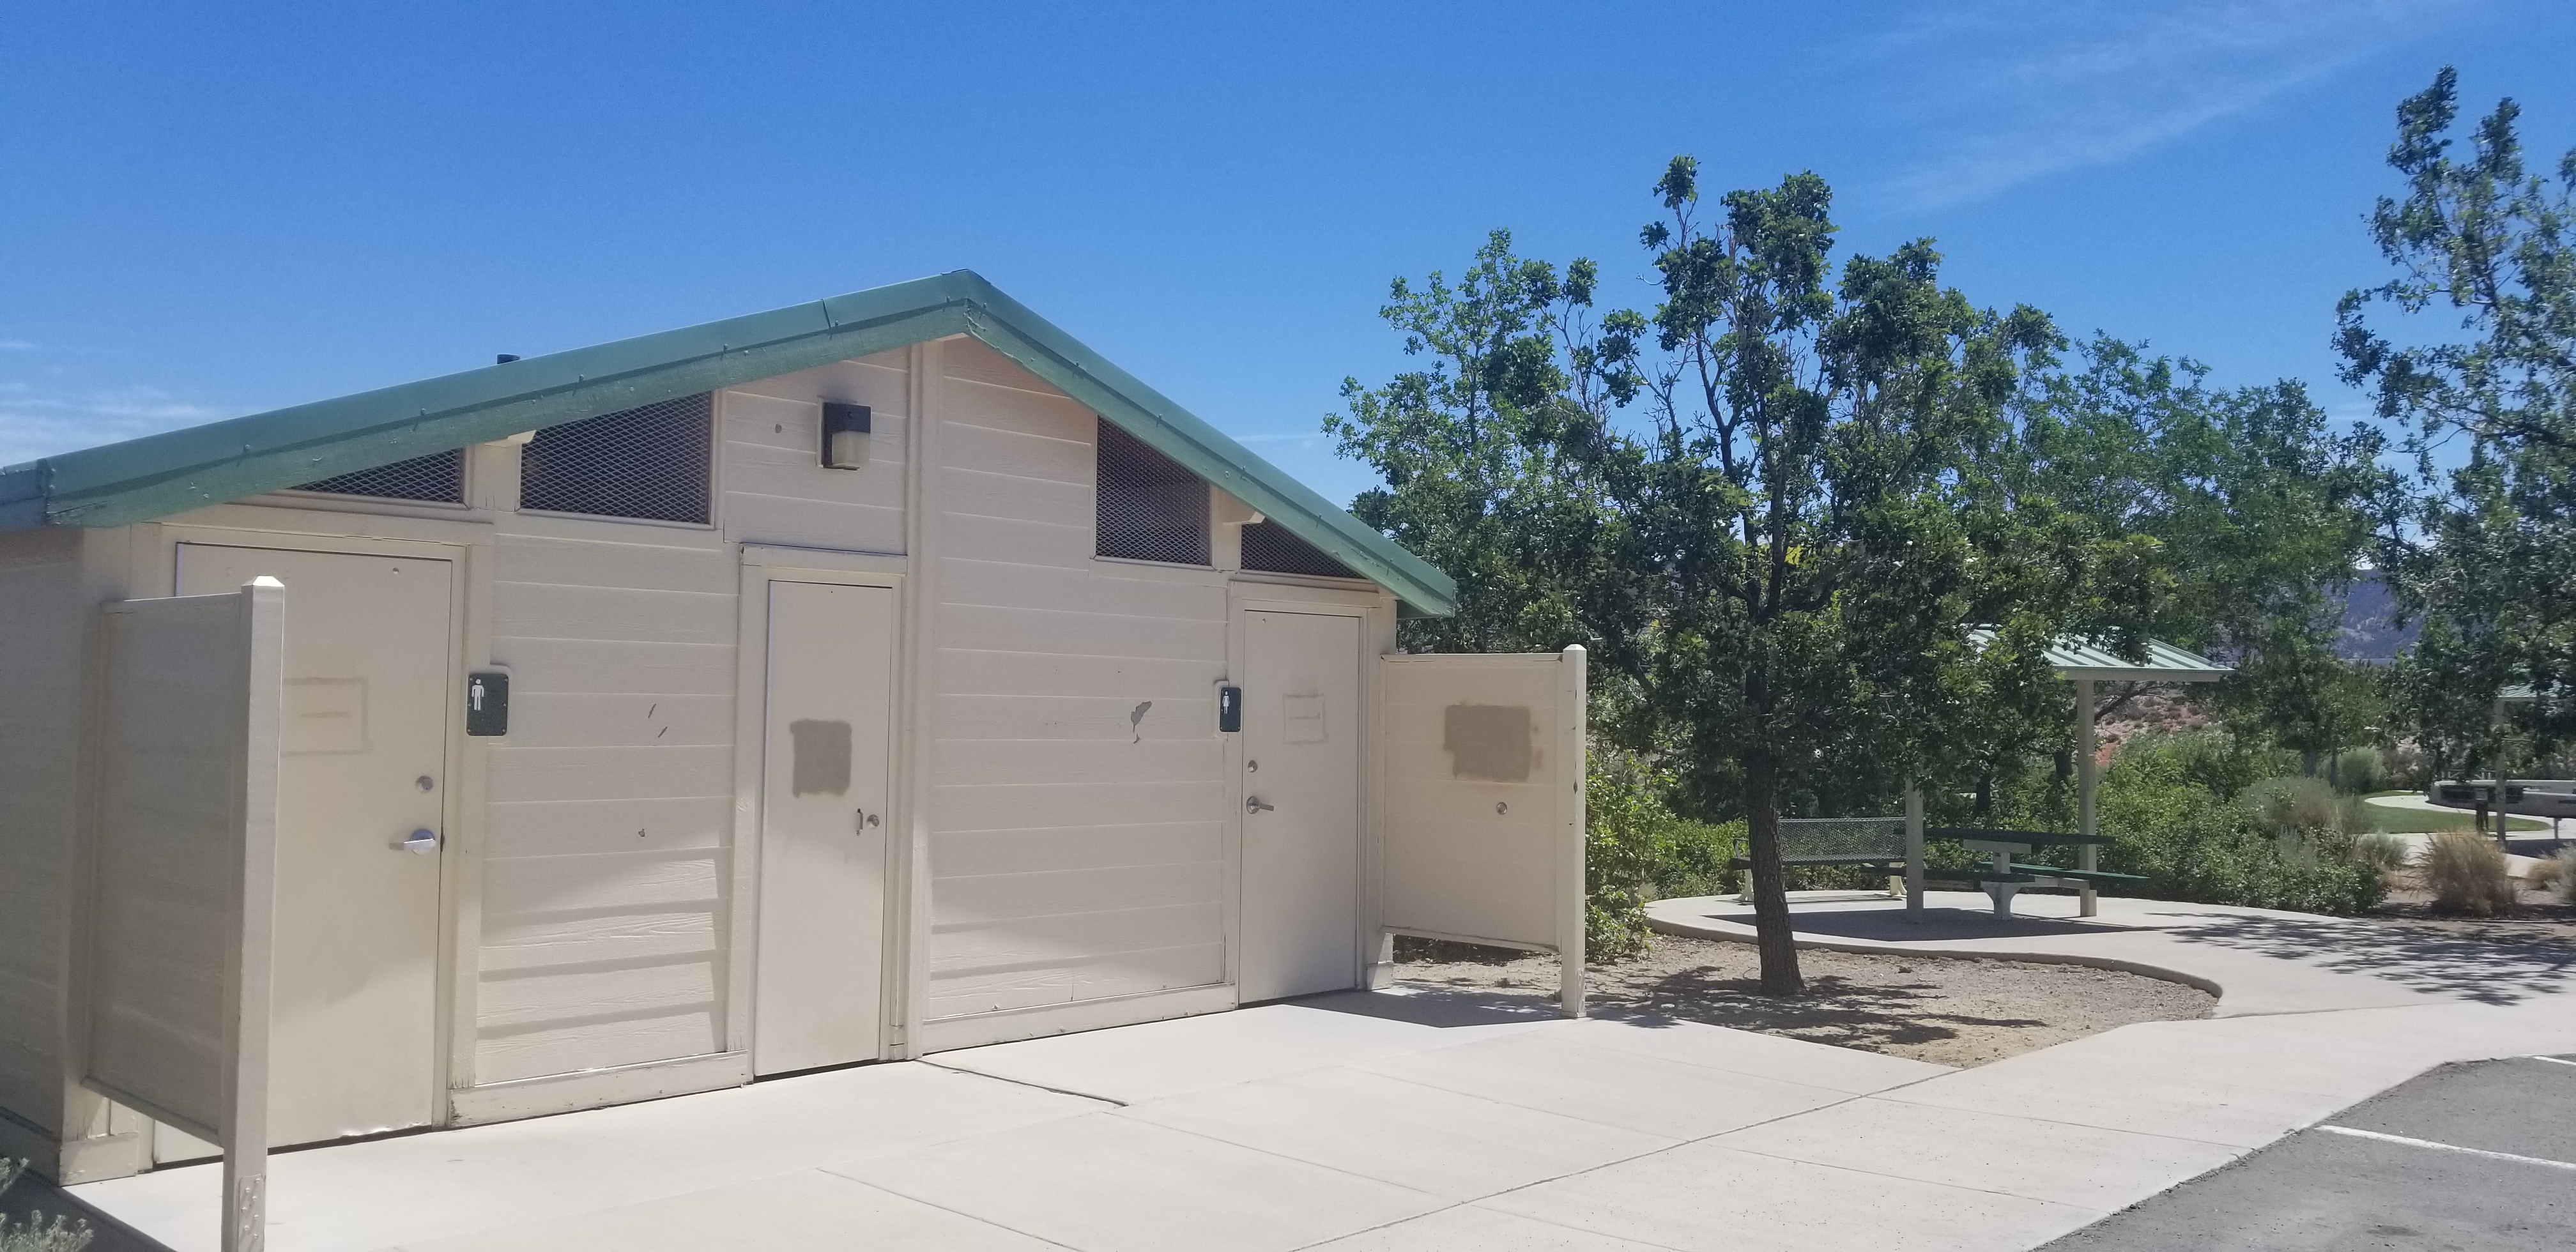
{"x": 1936, "y": 925}
{"x": 2478, "y": 970}
{"x": 34, "y": 1195}
{"x": 1834, "y": 1010}
{"x": 1437, "y": 1006}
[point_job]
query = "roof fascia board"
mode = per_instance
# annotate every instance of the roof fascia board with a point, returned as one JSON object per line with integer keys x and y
{"x": 159, "y": 475}
{"x": 1015, "y": 331}
{"x": 2074, "y": 673}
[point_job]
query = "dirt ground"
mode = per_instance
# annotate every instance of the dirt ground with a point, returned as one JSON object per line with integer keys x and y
{"x": 1947, "y": 1010}
{"x": 2541, "y": 917}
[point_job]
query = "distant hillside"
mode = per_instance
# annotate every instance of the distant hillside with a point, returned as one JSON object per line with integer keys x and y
{"x": 2370, "y": 631}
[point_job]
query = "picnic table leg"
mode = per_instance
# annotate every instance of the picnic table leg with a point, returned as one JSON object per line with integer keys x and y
{"x": 2002, "y": 891}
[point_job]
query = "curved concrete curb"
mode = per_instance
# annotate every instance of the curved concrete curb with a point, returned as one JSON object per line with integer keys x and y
{"x": 1738, "y": 934}
{"x": 2257, "y": 961}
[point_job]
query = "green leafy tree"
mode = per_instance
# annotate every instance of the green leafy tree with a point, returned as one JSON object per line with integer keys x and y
{"x": 2250, "y": 516}
{"x": 1816, "y": 507}
{"x": 2483, "y": 548}
{"x": 1471, "y": 448}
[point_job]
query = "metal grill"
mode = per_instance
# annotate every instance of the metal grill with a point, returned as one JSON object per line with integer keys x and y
{"x": 1151, "y": 509}
{"x": 1842, "y": 836}
{"x": 650, "y": 462}
{"x": 1274, "y": 548}
{"x": 440, "y": 476}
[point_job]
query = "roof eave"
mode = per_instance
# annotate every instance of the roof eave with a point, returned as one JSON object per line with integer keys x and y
{"x": 159, "y": 475}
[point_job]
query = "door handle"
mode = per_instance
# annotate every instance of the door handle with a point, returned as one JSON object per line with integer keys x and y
{"x": 421, "y": 843}
{"x": 1255, "y": 804}
{"x": 859, "y": 824}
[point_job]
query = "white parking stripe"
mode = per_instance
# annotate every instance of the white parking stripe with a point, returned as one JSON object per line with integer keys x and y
{"x": 2447, "y": 1147}
{"x": 2551, "y": 1059}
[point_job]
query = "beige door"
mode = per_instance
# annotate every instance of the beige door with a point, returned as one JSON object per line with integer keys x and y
{"x": 823, "y": 830}
{"x": 361, "y": 796}
{"x": 1301, "y": 786}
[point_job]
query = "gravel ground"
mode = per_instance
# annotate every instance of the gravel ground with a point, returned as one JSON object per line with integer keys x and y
{"x": 1947, "y": 1010}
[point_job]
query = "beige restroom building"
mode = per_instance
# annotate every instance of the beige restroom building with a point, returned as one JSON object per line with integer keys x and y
{"x": 863, "y": 679}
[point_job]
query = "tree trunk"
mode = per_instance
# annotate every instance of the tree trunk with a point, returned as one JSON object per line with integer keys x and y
{"x": 1780, "y": 975}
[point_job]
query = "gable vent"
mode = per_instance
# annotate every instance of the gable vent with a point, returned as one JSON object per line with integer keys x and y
{"x": 651, "y": 463}
{"x": 438, "y": 477}
{"x": 1150, "y": 509}
{"x": 1273, "y": 548}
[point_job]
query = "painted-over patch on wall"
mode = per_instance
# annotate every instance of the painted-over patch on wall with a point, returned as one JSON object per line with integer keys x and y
{"x": 1489, "y": 741}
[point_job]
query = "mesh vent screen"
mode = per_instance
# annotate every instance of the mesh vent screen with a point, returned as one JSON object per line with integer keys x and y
{"x": 1151, "y": 509}
{"x": 649, "y": 462}
{"x": 1272, "y": 547}
{"x": 439, "y": 476}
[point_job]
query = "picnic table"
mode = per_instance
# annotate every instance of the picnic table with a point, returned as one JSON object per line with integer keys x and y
{"x": 2002, "y": 879}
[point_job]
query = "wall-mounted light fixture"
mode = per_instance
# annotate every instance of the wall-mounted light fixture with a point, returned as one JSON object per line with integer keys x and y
{"x": 845, "y": 435}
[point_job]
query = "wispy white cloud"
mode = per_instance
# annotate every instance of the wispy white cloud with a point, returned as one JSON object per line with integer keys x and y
{"x": 38, "y": 420}
{"x": 16, "y": 345}
{"x": 2012, "y": 91}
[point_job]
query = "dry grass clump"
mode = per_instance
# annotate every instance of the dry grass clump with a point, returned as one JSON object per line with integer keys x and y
{"x": 2558, "y": 871}
{"x": 2383, "y": 852}
{"x": 2545, "y": 874}
{"x": 2467, "y": 875}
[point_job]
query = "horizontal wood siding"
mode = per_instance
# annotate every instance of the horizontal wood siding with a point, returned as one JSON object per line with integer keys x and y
{"x": 610, "y": 803}
{"x": 609, "y": 833}
{"x": 776, "y": 490}
{"x": 41, "y": 619}
{"x": 1077, "y": 782}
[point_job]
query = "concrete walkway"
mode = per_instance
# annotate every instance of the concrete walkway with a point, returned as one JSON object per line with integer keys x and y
{"x": 1434, "y": 1121}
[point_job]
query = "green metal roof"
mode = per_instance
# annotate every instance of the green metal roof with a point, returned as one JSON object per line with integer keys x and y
{"x": 2074, "y": 658}
{"x": 159, "y": 475}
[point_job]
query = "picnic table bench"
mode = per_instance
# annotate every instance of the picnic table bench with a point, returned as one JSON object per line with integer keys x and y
{"x": 1879, "y": 843}
{"x": 1876, "y": 842}
{"x": 2002, "y": 878}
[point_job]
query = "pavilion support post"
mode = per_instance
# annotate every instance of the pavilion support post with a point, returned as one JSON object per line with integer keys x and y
{"x": 2088, "y": 858}
{"x": 2503, "y": 810}
{"x": 1913, "y": 851}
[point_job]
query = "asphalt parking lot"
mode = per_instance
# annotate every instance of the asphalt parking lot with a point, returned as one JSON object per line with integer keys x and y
{"x": 2477, "y": 1156}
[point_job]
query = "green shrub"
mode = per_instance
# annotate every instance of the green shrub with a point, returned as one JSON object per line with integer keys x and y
{"x": 1638, "y": 849}
{"x": 2305, "y": 809}
{"x": 2211, "y": 761}
{"x": 2356, "y": 771}
{"x": 1628, "y": 836}
{"x": 2195, "y": 841}
{"x": 2566, "y": 863}
{"x": 1693, "y": 860}
{"x": 36, "y": 1234}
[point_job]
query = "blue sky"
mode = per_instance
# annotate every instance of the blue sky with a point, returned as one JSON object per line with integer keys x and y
{"x": 210, "y": 210}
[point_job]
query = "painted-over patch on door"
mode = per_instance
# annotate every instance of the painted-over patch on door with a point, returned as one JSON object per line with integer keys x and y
{"x": 362, "y": 786}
